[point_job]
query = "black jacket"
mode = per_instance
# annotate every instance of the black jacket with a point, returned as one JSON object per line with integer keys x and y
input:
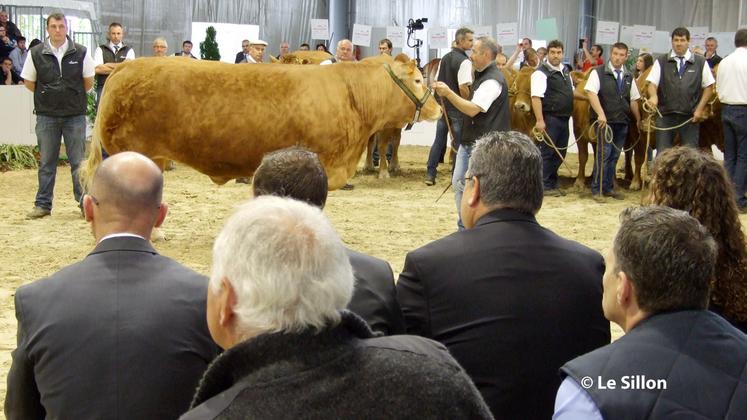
{"x": 338, "y": 373}
{"x": 119, "y": 335}
{"x": 513, "y": 302}
{"x": 375, "y": 297}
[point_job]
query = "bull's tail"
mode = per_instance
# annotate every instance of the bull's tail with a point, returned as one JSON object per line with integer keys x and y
{"x": 95, "y": 156}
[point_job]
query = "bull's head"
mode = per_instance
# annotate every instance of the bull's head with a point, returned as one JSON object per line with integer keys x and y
{"x": 410, "y": 80}
{"x": 522, "y": 87}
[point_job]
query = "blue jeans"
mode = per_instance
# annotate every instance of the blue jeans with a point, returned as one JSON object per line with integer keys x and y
{"x": 457, "y": 179}
{"x": 375, "y": 154}
{"x": 734, "y": 119}
{"x": 689, "y": 133}
{"x": 557, "y": 129}
{"x": 610, "y": 154}
{"x": 439, "y": 143}
{"x": 49, "y": 131}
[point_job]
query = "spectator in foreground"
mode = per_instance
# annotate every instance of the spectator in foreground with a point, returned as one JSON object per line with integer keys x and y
{"x": 676, "y": 359}
{"x": 292, "y": 351}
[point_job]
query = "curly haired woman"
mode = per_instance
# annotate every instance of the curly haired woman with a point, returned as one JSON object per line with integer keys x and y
{"x": 687, "y": 179}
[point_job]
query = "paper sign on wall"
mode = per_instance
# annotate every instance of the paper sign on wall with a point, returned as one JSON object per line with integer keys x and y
{"x": 662, "y": 42}
{"x": 396, "y": 34}
{"x": 607, "y": 32}
{"x": 643, "y": 36}
{"x": 698, "y": 35}
{"x": 547, "y": 29}
{"x": 361, "y": 35}
{"x": 438, "y": 38}
{"x": 626, "y": 35}
{"x": 483, "y": 31}
{"x": 506, "y": 33}
{"x": 319, "y": 29}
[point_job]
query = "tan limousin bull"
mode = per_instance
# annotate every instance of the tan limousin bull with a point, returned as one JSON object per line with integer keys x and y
{"x": 222, "y": 118}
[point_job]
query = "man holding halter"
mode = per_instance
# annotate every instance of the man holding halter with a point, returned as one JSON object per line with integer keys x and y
{"x": 681, "y": 85}
{"x": 612, "y": 95}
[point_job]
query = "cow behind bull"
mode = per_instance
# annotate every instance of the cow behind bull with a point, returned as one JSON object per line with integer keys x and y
{"x": 230, "y": 115}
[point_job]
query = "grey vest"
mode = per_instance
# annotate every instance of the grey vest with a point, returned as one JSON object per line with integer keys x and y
{"x": 616, "y": 105}
{"x": 448, "y": 73}
{"x": 558, "y": 100}
{"x": 497, "y": 117}
{"x": 110, "y": 57}
{"x": 59, "y": 95}
{"x": 680, "y": 95}
{"x": 700, "y": 355}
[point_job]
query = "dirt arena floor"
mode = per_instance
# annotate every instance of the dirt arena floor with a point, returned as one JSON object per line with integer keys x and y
{"x": 384, "y": 218}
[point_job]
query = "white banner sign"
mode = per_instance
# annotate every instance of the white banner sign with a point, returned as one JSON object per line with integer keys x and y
{"x": 483, "y": 31}
{"x": 606, "y": 32}
{"x": 643, "y": 36}
{"x": 438, "y": 38}
{"x": 626, "y": 35}
{"x": 662, "y": 43}
{"x": 361, "y": 35}
{"x": 698, "y": 35}
{"x": 396, "y": 34}
{"x": 506, "y": 33}
{"x": 320, "y": 29}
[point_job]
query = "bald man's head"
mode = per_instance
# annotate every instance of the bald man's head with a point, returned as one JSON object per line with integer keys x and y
{"x": 127, "y": 184}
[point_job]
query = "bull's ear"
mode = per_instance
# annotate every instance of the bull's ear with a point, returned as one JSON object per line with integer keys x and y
{"x": 402, "y": 58}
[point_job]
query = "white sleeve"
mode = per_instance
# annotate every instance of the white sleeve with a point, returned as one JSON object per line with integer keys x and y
{"x": 538, "y": 84}
{"x": 707, "y": 79}
{"x": 592, "y": 83}
{"x": 89, "y": 68}
{"x": 98, "y": 57}
{"x": 464, "y": 76}
{"x": 486, "y": 94}
{"x": 438, "y": 70}
{"x": 655, "y": 75}
{"x": 325, "y": 62}
{"x": 29, "y": 70}
{"x": 130, "y": 54}
{"x": 634, "y": 93}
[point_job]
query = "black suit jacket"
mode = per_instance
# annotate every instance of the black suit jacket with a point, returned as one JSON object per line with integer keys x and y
{"x": 513, "y": 302}
{"x": 121, "y": 334}
{"x": 375, "y": 296}
{"x": 239, "y": 57}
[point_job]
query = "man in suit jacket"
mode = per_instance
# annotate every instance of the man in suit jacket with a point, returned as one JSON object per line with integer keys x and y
{"x": 121, "y": 334}
{"x": 511, "y": 300}
{"x": 297, "y": 173}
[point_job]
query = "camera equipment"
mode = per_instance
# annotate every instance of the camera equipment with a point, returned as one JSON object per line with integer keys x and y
{"x": 412, "y": 26}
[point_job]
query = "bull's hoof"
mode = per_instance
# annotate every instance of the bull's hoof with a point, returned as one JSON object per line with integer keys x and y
{"x": 580, "y": 184}
{"x": 394, "y": 169}
{"x": 383, "y": 174}
{"x": 635, "y": 185}
{"x": 369, "y": 169}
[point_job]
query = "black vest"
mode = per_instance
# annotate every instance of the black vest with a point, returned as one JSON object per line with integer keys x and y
{"x": 699, "y": 354}
{"x": 448, "y": 73}
{"x": 680, "y": 95}
{"x": 497, "y": 117}
{"x": 59, "y": 95}
{"x": 616, "y": 105}
{"x": 110, "y": 57}
{"x": 558, "y": 100}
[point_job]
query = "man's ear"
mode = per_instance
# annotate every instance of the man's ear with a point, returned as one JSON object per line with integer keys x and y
{"x": 474, "y": 196}
{"x": 88, "y": 207}
{"x": 227, "y": 303}
{"x": 162, "y": 211}
{"x": 625, "y": 290}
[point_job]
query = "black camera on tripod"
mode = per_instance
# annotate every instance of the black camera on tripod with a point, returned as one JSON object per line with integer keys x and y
{"x": 416, "y": 25}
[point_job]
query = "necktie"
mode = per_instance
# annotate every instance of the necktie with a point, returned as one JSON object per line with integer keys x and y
{"x": 116, "y": 49}
{"x": 681, "y": 70}
{"x": 619, "y": 82}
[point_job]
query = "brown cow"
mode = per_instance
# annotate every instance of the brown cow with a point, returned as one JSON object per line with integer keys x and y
{"x": 303, "y": 57}
{"x": 239, "y": 113}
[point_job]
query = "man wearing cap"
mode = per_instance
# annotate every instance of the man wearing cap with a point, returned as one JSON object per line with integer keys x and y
{"x": 256, "y": 52}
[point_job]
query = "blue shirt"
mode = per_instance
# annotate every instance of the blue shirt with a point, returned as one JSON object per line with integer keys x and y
{"x": 573, "y": 403}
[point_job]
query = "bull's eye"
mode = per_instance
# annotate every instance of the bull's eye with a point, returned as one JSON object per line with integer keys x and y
{"x": 417, "y": 81}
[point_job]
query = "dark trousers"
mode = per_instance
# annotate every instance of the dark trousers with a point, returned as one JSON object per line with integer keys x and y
{"x": 438, "y": 149}
{"x": 557, "y": 129}
{"x": 734, "y": 118}
{"x": 689, "y": 133}
{"x": 607, "y": 156}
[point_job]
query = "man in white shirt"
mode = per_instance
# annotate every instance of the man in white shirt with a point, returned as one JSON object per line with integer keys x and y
{"x": 256, "y": 52}
{"x": 59, "y": 72}
{"x": 732, "y": 92}
{"x": 455, "y": 70}
{"x": 681, "y": 84}
{"x": 612, "y": 95}
{"x": 108, "y": 56}
{"x": 486, "y": 109}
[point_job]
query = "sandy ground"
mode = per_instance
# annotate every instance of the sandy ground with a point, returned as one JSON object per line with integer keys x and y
{"x": 384, "y": 218}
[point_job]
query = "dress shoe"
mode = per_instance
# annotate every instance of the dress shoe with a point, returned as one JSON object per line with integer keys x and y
{"x": 430, "y": 180}
{"x": 348, "y": 187}
{"x": 614, "y": 194}
{"x": 38, "y": 213}
{"x": 553, "y": 193}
